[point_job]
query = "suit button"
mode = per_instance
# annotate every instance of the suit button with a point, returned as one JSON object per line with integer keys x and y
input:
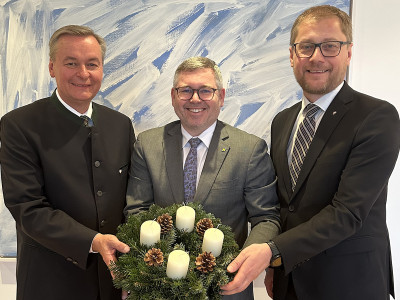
{"x": 99, "y": 193}
{"x": 102, "y": 223}
{"x": 97, "y": 164}
{"x": 291, "y": 208}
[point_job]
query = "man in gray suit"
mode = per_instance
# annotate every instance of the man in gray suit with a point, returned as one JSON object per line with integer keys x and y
{"x": 235, "y": 178}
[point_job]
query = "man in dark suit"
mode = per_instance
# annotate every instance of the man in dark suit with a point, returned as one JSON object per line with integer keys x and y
{"x": 235, "y": 179}
{"x": 64, "y": 177}
{"x": 335, "y": 242}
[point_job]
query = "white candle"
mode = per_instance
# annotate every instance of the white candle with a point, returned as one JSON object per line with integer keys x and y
{"x": 212, "y": 241}
{"x": 185, "y": 218}
{"x": 178, "y": 264}
{"x": 150, "y": 233}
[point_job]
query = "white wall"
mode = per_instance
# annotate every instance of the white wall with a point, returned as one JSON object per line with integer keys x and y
{"x": 374, "y": 70}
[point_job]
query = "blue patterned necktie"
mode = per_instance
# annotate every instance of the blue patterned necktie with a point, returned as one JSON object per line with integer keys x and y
{"x": 87, "y": 122}
{"x": 305, "y": 134}
{"x": 190, "y": 170}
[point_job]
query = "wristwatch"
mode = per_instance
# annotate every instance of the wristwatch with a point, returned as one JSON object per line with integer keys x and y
{"x": 276, "y": 259}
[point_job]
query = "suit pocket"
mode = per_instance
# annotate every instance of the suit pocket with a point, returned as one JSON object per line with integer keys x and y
{"x": 223, "y": 185}
{"x": 355, "y": 245}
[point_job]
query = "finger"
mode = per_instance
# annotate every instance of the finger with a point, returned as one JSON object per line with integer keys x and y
{"x": 236, "y": 284}
{"x": 122, "y": 247}
{"x": 124, "y": 295}
{"x": 236, "y": 263}
{"x": 237, "y": 289}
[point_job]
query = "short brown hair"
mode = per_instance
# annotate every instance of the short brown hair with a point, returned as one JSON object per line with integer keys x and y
{"x": 199, "y": 62}
{"x": 317, "y": 13}
{"x": 74, "y": 30}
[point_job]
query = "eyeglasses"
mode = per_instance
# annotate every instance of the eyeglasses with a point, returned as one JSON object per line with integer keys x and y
{"x": 186, "y": 93}
{"x": 328, "y": 49}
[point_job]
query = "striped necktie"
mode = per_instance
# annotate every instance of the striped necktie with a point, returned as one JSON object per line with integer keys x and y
{"x": 305, "y": 134}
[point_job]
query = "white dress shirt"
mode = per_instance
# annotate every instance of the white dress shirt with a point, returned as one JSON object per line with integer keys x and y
{"x": 87, "y": 113}
{"x": 202, "y": 149}
{"x": 323, "y": 104}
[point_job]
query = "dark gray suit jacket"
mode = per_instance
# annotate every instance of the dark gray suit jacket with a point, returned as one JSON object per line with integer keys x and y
{"x": 335, "y": 240}
{"x": 237, "y": 183}
{"x": 63, "y": 183}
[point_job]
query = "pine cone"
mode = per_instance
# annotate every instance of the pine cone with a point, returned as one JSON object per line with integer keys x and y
{"x": 205, "y": 262}
{"x": 154, "y": 257}
{"x": 203, "y": 224}
{"x": 165, "y": 222}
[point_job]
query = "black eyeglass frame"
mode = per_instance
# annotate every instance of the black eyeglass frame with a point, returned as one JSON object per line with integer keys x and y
{"x": 197, "y": 91}
{"x": 320, "y": 49}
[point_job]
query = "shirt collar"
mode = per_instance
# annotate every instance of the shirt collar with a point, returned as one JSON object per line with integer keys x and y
{"x": 87, "y": 113}
{"x": 205, "y": 136}
{"x": 324, "y": 101}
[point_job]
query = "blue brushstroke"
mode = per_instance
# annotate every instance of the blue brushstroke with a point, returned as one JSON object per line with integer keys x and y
{"x": 204, "y": 53}
{"x": 123, "y": 27}
{"x": 299, "y": 94}
{"x": 111, "y": 88}
{"x": 274, "y": 33}
{"x": 56, "y": 13}
{"x": 16, "y": 100}
{"x": 160, "y": 61}
{"x": 120, "y": 61}
{"x": 246, "y": 111}
{"x": 214, "y": 20}
{"x": 184, "y": 21}
{"x": 139, "y": 114}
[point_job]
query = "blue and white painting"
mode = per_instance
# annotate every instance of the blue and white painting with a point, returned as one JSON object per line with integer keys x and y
{"x": 146, "y": 41}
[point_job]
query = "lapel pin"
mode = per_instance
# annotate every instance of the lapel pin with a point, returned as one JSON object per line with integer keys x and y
{"x": 334, "y": 113}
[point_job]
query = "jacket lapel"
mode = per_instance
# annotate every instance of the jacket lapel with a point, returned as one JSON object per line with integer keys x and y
{"x": 335, "y": 112}
{"x": 219, "y": 149}
{"x": 289, "y": 120}
{"x": 173, "y": 159}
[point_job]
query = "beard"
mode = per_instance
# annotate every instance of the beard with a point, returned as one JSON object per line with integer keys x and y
{"x": 320, "y": 88}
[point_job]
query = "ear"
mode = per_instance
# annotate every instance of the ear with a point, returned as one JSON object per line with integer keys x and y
{"x": 51, "y": 69}
{"x": 349, "y": 53}
{"x": 172, "y": 93}
{"x": 221, "y": 97}
{"x": 291, "y": 51}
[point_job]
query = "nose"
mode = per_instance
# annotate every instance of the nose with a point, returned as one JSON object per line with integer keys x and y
{"x": 317, "y": 53}
{"x": 82, "y": 71}
{"x": 195, "y": 97}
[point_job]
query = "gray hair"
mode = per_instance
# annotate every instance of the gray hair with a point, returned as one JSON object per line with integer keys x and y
{"x": 199, "y": 62}
{"x": 75, "y": 30}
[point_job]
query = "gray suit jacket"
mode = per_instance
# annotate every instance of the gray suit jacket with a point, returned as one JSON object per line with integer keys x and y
{"x": 237, "y": 183}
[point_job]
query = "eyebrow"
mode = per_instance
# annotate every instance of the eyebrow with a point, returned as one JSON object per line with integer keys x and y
{"x": 74, "y": 58}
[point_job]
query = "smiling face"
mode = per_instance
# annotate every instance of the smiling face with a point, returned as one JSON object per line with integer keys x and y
{"x": 197, "y": 115}
{"x": 319, "y": 75}
{"x": 78, "y": 70}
